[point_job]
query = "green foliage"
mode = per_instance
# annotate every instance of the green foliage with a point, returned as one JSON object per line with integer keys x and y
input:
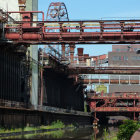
{"x": 54, "y": 133}
{"x": 27, "y": 128}
{"x": 56, "y": 124}
{"x": 3, "y": 130}
{"x": 109, "y": 136}
{"x": 127, "y": 129}
{"x": 106, "y": 134}
{"x": 85, "y": 106}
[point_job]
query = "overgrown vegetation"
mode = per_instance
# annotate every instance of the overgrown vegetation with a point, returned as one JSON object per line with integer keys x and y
{"x": 109, "y": 136}
{"x": 53, "y": 134}
{"x": 127, "y": 129}
{"x": 54, "y": 125}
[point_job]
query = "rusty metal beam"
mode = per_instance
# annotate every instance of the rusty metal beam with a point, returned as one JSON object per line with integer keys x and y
{"x": 115, "y": 102}
{"x": 111, "y": 81}
{"x": 117, "y": 109}
{"x": 80, "y": 32}
{"x": 104, "y": 70}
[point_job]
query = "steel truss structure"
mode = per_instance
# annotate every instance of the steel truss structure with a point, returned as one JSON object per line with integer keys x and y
{"x": 116, "y": 102}
{"x": 77, "y": 32}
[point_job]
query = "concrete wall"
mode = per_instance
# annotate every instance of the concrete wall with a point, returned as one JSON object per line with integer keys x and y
{"x": 10, "y": 5}
{"x": 124, "y": 88}
{"x": 17, "y": 118}
{"x": 32, "y": 5}
{"x": 123, "y": 59}
{"x": 28, "y": 5}
{"x": 124, "y": 55}
{"x": 125, "y": 48}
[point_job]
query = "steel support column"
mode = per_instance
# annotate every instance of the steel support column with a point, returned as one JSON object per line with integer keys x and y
{"x": 41, "y": 103}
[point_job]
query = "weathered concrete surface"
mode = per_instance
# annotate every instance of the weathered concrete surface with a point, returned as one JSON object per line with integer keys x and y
{"x": 136, "y": 135}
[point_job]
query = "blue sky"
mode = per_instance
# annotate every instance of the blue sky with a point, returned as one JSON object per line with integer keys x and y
{"x": 97, "y": 9}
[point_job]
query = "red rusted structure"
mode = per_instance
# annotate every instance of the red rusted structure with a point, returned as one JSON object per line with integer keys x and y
{"x": 110, "y": 81}
{"x": 57, "y": 11}
{"x": 117, "y": 102}
{"x": 104, "y": 70}
{"x": 83, "y": 32}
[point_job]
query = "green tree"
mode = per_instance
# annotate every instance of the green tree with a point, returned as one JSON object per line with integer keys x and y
{"x": 127, "y": 129}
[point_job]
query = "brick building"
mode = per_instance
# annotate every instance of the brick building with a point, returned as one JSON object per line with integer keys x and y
{"x": 124, "y": 55}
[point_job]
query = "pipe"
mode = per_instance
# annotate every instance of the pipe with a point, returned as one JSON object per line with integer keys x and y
{"x": 21, "y": 12}
{"x": 41, "y": 87}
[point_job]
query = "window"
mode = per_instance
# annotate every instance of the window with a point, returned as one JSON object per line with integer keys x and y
{"x": 124, "y": 50}
{"x": 116, "y": 58}
{"x": 118, "y": 50}
{"x": 135, "y": 57}
{"x": 121, "y": 50}
{"x": 26, "y": 17}
{"x": 136, "y": 49}
{"x": 125, "y": 58}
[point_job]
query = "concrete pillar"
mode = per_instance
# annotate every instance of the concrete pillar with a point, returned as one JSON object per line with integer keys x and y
{"x": 42, "y": 88}
{"x": 32, "y": 5}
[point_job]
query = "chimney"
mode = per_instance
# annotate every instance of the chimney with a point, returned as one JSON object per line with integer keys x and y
{"x": 80, "y": 53}
{"x": 22, "y": 5}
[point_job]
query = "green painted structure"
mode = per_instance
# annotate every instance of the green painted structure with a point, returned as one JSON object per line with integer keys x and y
{"x": 101, "y": 88}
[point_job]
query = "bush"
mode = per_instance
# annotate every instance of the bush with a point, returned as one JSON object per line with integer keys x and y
{"x": 127, "y": 129}
{"x": 57, "y": 124}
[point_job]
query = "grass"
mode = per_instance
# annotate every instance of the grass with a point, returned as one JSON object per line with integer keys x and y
{"x": 108, "y": 136}
{"x": 3, "y": 130}
{"x": 54, "y": 125}
{"x": 57, "y": 124}
{"x": 54, "y": 134}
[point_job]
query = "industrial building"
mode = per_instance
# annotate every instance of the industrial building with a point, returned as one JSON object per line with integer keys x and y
{"x": 26, "y": 83}
{"x": 124, "y": 56}
{"x": 38, "y": 87}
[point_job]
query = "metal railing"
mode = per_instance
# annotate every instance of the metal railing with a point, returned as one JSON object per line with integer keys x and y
{"x": 131, "y": 95}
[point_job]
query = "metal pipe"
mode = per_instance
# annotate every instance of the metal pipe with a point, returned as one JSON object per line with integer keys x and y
{"x": 41, "y": 87}
{"x": 22, "y": 12}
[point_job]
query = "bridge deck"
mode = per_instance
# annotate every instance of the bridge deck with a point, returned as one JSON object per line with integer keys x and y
{"x": 78, "y": 32}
